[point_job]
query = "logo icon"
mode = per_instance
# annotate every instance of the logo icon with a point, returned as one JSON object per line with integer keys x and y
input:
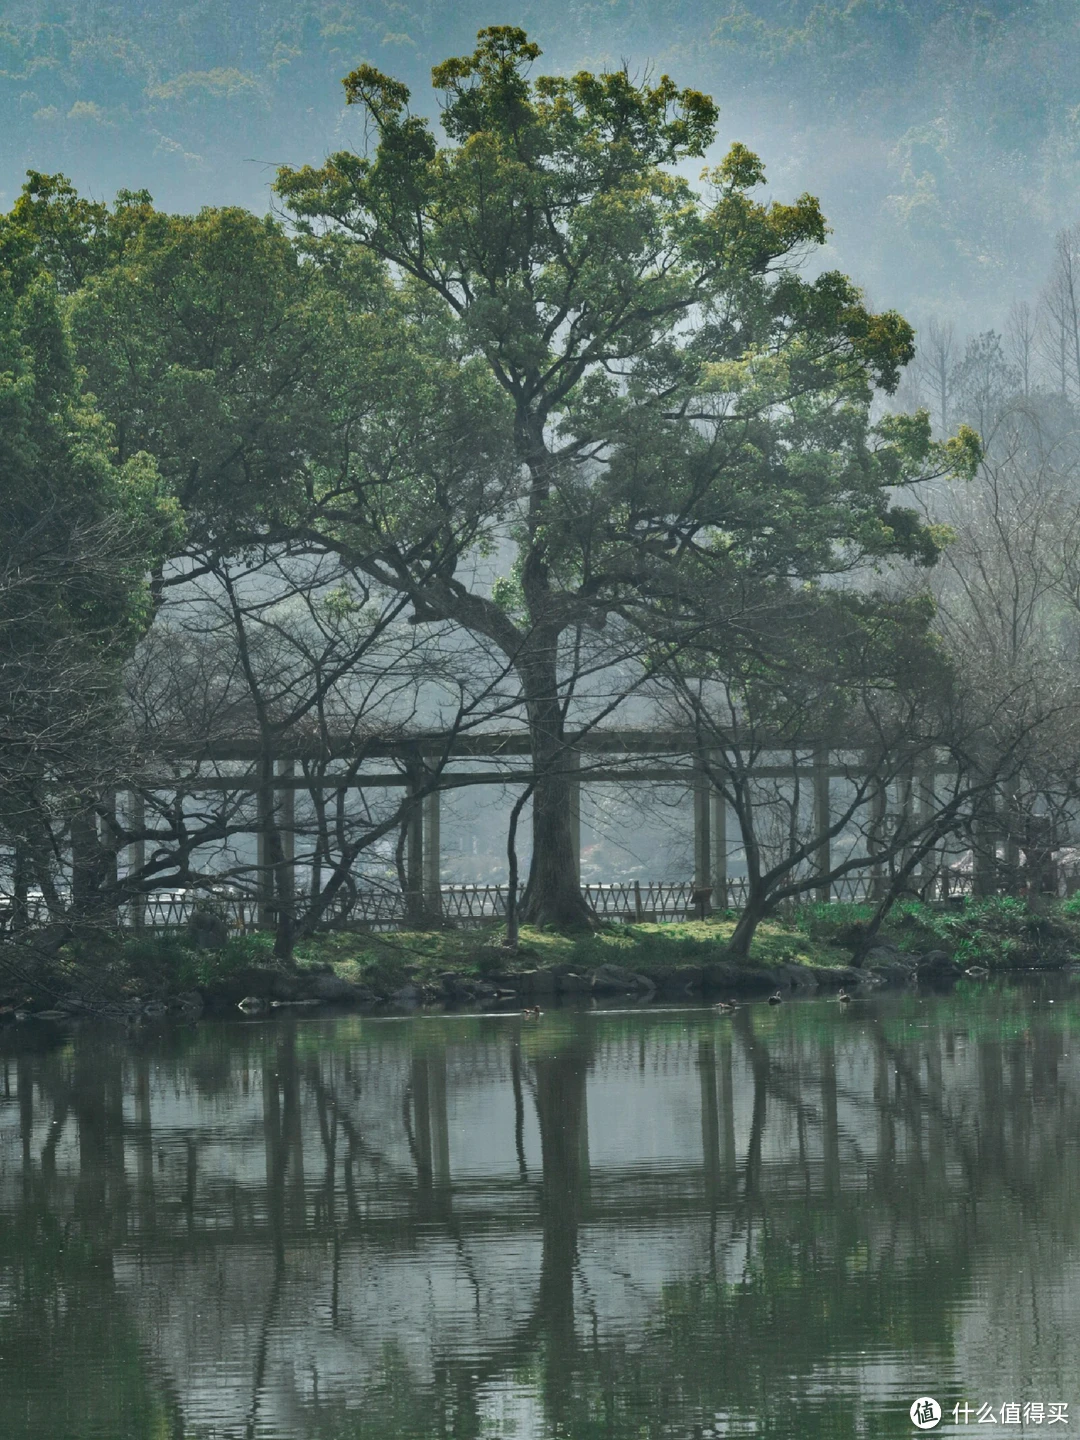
{"x": 925, "y": 1413}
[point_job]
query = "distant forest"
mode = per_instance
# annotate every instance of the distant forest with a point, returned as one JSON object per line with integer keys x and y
{"x": 943, "y": 136}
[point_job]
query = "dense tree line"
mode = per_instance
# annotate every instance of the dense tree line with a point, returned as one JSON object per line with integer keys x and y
{"x": 508, "y": 427}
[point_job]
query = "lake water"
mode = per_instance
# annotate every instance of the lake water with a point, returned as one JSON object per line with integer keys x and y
{"x": 660, "y": 1223}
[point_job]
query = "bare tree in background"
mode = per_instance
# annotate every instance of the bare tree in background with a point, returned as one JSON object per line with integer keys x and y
{"x": 1022, "y": 338}
{"x": 935, "y": 362}
{"x": 1059, "y": 315}
{"x": 1006, "y": 613}
{"x": 60, "y": 732}
{"x": 276, "y": 654}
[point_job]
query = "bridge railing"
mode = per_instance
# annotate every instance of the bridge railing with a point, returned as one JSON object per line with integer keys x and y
{"x": 380, "y": 909}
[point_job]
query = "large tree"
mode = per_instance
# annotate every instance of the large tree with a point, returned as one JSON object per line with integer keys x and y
{"x": 78, "y": 534}
{"x": 212, "y": 342}
{"x": 677, "y": 395}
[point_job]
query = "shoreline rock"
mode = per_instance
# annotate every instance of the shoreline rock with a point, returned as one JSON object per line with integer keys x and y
{"x": 258, "y": 990}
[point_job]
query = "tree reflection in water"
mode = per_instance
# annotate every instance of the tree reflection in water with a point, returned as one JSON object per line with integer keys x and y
{"x": 785, "y": 1223}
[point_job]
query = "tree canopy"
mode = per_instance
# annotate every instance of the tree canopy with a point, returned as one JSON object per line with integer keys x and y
{"x": 78, "y": 535}
{"x": 680, "y": 398}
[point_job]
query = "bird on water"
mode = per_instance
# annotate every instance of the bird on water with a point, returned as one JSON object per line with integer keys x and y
{"x": 776, "y": 999}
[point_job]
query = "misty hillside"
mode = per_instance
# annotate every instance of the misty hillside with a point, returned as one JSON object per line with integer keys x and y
{"x": 943, "y": 136}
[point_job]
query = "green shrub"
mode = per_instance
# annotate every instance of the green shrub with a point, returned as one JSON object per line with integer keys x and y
{"x": 167, "y": 960}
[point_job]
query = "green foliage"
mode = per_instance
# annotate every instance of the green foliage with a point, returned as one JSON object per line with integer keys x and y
{"x": 169, "y": 962}
{"x": 199, "y": 345}
{"x": 999, "y": 932}
{"x": 51, "y": 229}
{"x": 77, "y": 531}
{"x": 385, "y": 962}
{"x": 679, "y": 397}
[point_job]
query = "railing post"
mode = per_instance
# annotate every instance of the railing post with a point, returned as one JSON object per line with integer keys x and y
{"x": 702, "y": 843}
{"x": 822, "y": 820}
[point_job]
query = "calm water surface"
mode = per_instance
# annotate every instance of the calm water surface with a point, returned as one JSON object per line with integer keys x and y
{"x": 789, "y": 1223}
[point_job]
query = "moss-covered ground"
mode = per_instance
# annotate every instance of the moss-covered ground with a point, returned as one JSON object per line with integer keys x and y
{"x": 385, "y": 961}
{"x": 646, "y": 948}
{"x": 1000, "y": 933}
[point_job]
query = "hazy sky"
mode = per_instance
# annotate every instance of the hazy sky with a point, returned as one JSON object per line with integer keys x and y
{"x": 942, "y": 136}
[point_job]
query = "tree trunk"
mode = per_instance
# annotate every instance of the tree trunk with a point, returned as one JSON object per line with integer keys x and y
{"x": 89, "y": 866}
{"x": 743, "y": 934}
{"x": 552, "y": 893}
{"x": 512, "y": 916}
{"x": 274, "y": 875}
{"x": 562, "y": 1118}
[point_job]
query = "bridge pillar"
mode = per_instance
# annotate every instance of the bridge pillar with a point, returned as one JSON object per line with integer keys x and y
{"x": 925, "y": 800}
{"x": 432, "y": 855}
{"x": 287, "y": 826}
{"x": 703, "y": 878}
{"x": 879, "y": 805}
{"x": 414, "y": 857}
{"x": 264, "y": 880}
{"x": 907, "y": 809}
{"x": 276, "y": 805}
{"x": 822, "y": 820}
{"x": 718, "y": 837}
{"x": 136, "y": 853}
{"x": 573, "y": 765}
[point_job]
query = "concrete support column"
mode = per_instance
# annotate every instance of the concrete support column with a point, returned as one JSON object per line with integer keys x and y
{"x": 85, "y": 859}
{"x": 1012, "y": 843}
{"x": 432, "y": 856}
{"x": 286, "y": 820}
{"x": 822, "y": 820}
{"x": 264, "y": 880}
{"x": 108, "y": 839}
{"x": 136, "y": 853}
{"x": 926, "y": 801}
{"x": 879, "y": 804}
{"x": 907, "y": 809}
{"x": 414, "y": 858}
{"x": 718, "y": 836}
{"x": 20, "y": 884}
{"x": 702, "y": 842}
{"x": 573, "y": 765}
{"x": 983, "y": 850}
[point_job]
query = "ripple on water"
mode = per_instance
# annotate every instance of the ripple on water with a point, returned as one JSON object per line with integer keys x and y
{"x": 783, "y": 1223}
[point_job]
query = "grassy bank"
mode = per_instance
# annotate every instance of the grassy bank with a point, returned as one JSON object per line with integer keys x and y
{"x": 645, "y": 949}
{"x": 999, "y": 934}
{"x": 383, "y": 963}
